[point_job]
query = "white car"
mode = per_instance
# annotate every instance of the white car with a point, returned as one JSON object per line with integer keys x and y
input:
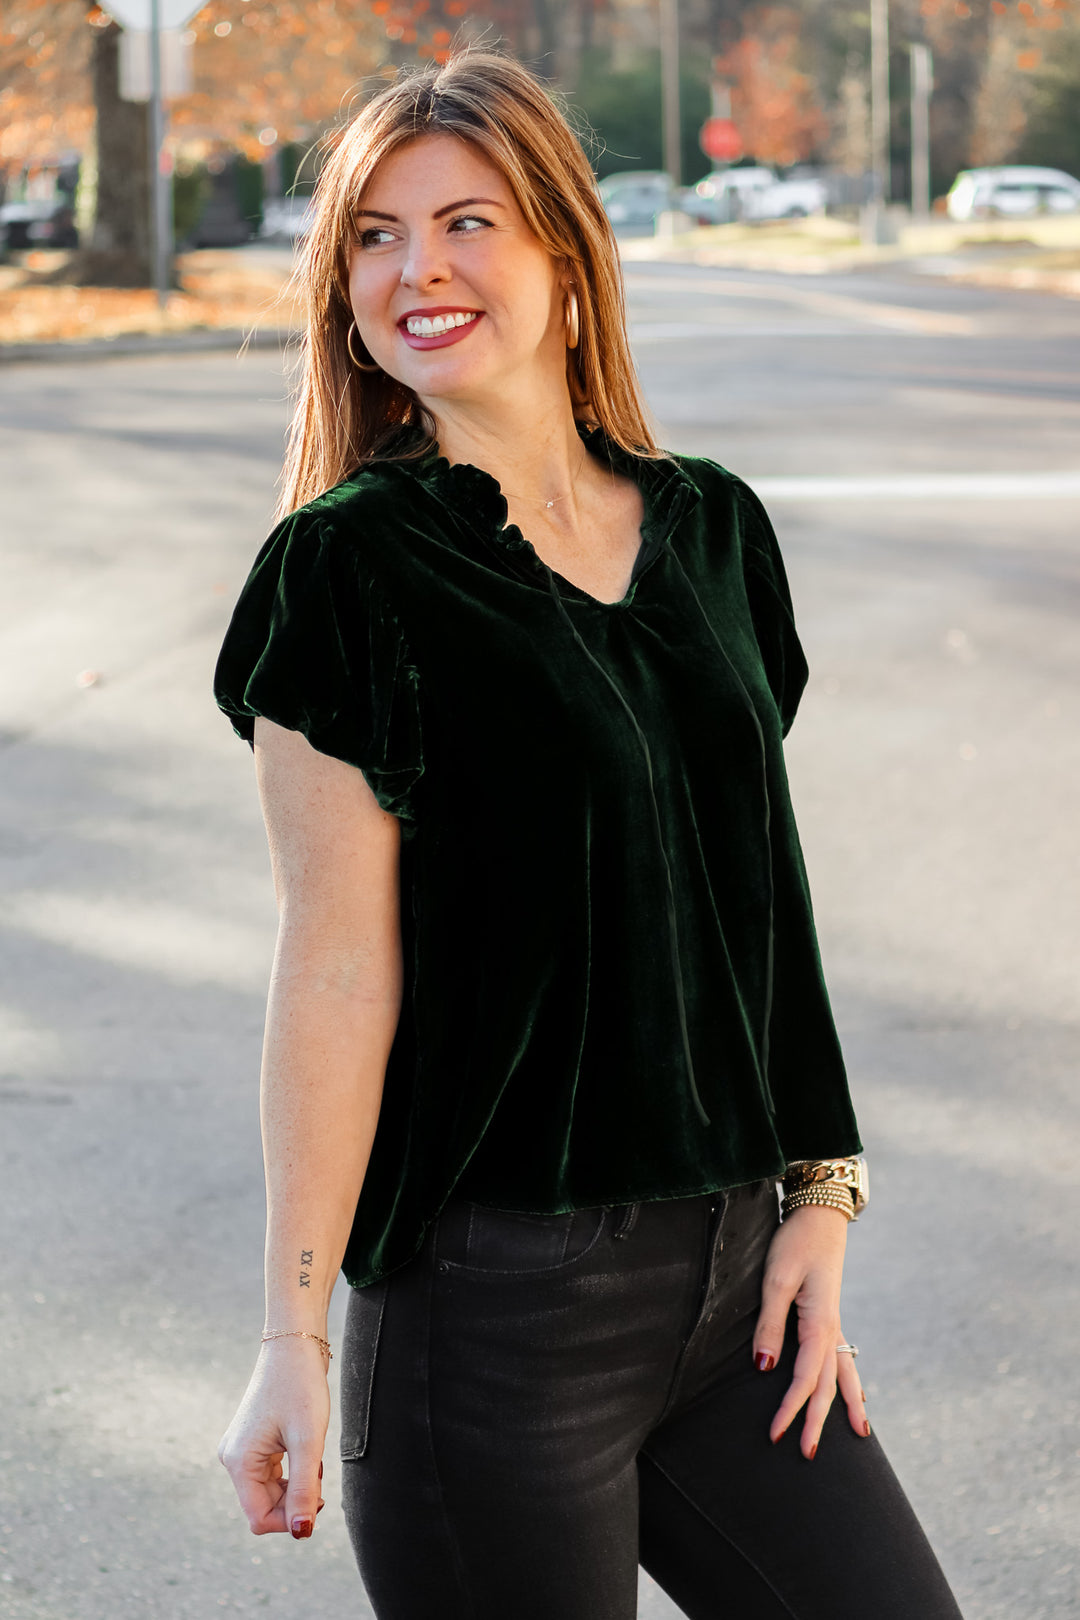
{"x": 1014, "y": 191}
{"x": 635, "y": 197}
{"x": 787, "y": 199}
{"x": 727, "y": 194}
{"x": 286, "y": 219}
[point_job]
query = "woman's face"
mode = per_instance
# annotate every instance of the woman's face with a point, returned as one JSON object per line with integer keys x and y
{"x": 451, "y": 292}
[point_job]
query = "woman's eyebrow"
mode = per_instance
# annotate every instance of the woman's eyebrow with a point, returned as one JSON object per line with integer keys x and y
{"x": 466, "y": 202}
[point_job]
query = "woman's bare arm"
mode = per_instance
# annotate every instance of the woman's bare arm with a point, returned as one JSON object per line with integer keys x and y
{"x": 333, "y": 1008}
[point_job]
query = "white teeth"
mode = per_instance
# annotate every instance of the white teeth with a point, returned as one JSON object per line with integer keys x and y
{"x": 436, "y": 326}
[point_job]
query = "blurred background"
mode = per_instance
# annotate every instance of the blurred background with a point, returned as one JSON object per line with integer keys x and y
{"x": 839, "y": 120}
{"x": 851, "y": 246}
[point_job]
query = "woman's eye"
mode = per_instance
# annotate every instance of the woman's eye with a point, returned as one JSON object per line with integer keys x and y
{"x": 374, "y": 236}
{"x": 466, "y": 224}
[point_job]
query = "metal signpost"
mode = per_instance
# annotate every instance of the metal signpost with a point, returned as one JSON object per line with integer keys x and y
{"x": 669, "y": 88}
{"x": 879, "y": 97}
{"x": 922, "y": 83}
{"x": 153, "y": 17}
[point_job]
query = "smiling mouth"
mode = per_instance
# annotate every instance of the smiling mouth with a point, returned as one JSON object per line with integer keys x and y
{"x": 437, "y": 328}
{"x": 436, "y": 325}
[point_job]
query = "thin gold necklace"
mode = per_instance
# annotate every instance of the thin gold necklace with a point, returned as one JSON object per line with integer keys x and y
{"x": 533, "y": 500}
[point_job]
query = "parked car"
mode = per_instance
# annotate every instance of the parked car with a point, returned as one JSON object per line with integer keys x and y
{"x": 286, "y": 219}
{"x": 1014, "y": 191}
{"x": 38, "y": 224}
{"x": 786, "y": 199}
{"x": 725, "y": 195}
{"x": 635, "y": 197}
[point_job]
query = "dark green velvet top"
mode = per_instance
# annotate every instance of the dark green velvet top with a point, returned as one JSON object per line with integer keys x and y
{"x": 612, "y": 982}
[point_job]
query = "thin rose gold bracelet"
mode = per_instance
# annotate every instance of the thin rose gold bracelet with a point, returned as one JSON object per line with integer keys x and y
{"x": 298, "y": 1333}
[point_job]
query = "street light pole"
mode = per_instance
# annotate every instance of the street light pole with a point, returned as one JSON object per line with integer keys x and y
{"x": 671, "y": 118}
{"x": 879, "y": 97}
{"x": 160, "y": 190}
{"x": 922, "y": 82}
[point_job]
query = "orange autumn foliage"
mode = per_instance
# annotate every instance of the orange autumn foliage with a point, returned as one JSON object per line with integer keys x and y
{"x": 46, "y": 108}
{"x": 772, "y": 100}
{"x": 288, "y": 66}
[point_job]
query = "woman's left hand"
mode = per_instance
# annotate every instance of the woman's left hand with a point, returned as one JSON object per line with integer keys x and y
{"x": 804, "y": 1267}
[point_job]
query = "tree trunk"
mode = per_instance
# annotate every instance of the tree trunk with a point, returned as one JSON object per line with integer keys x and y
{"x": 119, "y": 250}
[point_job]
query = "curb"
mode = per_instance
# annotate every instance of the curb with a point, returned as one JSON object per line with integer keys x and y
{"x": 1030, "y": 278}
{"x": 202, "y": 340}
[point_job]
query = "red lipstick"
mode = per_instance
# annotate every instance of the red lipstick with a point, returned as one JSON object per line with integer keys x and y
{"x": 439, "y": 340}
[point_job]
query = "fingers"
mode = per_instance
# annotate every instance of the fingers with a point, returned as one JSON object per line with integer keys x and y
{"x": 302, "y": 1494}
{"x": 270, "y": 1502}
{"x": 260, "y": 1488}
{"x": 804, "y": 1264}
{"x": 817, "y": 1407}
{"x": 819, "y": 1373}
{"x": 851, "y": 1393}
{"x": 777, "y": 1296}
{"x": 813, "y": 1381}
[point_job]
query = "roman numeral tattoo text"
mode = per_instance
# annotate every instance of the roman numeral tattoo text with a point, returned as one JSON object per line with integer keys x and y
{"x": 306, "y": 1257}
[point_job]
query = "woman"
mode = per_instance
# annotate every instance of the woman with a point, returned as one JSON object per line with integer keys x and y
{"x": 546, "y": 1024}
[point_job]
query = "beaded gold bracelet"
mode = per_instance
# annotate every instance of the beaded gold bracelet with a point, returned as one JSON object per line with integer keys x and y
{"x": 298, "y": 1333}
{"x": 831, "y": 1195}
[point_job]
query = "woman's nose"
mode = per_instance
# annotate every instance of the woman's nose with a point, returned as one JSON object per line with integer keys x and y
{"x": 425, "y": 263}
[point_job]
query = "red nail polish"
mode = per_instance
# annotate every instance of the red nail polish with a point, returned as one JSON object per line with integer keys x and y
{"x": 779, "y": 1437}
{"x": 320, "y": 1470}
{"x": 813, "y": 1453}
{"x": 302, "y": 1528}
{"x": 866, "y": 1429}
{"x": 764, "y": 1361}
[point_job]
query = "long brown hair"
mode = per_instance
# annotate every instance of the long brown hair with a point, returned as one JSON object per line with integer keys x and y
{"x": 345, "y": 416}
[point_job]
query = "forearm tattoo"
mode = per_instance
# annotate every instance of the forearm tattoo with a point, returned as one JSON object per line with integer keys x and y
{"x": 306, "y": 1257}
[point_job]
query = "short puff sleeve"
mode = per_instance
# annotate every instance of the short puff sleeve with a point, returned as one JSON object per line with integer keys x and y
{"x": 314, "y": 646}
{"x": 770, "y": 606}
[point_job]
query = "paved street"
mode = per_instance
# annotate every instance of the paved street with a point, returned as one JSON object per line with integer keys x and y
{"x": 918, "y": 445}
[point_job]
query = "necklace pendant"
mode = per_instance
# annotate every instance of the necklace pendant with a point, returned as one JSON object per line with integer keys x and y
{"x": 550, "y": 504}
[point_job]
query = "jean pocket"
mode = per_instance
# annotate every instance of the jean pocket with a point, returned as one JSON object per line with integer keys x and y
{"x": 360, "y": 1344}
{"x": 505, "y": 1242}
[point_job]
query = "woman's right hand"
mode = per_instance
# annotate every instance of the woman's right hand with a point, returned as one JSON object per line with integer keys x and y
{"x": 285, "y": 1412}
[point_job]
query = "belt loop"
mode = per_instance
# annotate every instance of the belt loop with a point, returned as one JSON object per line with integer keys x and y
{"x": 629, "y": 1217}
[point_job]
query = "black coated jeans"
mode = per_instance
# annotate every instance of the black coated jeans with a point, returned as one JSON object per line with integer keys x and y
{"x": 536, "y": 1404}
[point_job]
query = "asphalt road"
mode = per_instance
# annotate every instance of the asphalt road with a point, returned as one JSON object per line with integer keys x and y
{"x": 919, "y": 447}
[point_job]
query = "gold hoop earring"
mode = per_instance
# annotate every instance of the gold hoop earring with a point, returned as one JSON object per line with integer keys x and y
{"x": 572, "y": 319}
{"x": 359, "y": 364}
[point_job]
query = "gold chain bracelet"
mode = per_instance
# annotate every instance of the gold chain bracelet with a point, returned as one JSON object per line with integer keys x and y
{"x": 298, "y": 1333}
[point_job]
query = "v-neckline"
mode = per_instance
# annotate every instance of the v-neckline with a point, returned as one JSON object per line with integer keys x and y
{"x": 481, "y": 497}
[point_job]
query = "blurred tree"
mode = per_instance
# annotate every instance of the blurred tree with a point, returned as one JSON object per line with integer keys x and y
{"x": 1052, "y": 136}
{"x": 116, "y": 249}
{"x": 270, "y": 71}
{"x": 45, "y": 101}
{"x": 773, "y": 102}
{"x": 958, "y": 34}
{"x": 191, "y": 192}
{"x": 623, "y": 114}
{"x": 271, "y": 77}
{"x": 999, "y": 115}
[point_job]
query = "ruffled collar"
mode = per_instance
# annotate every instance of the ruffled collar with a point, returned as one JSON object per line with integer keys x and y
{"x": 667, "y": 490}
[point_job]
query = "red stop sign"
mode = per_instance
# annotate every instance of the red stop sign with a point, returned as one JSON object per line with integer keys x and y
{"x": 720, "y": 140}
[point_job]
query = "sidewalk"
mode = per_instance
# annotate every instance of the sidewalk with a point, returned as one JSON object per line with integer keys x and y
{"x": 232, "y": 297}
{"x": 224, "y": 295}
{"x": 1038, "y": 255}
